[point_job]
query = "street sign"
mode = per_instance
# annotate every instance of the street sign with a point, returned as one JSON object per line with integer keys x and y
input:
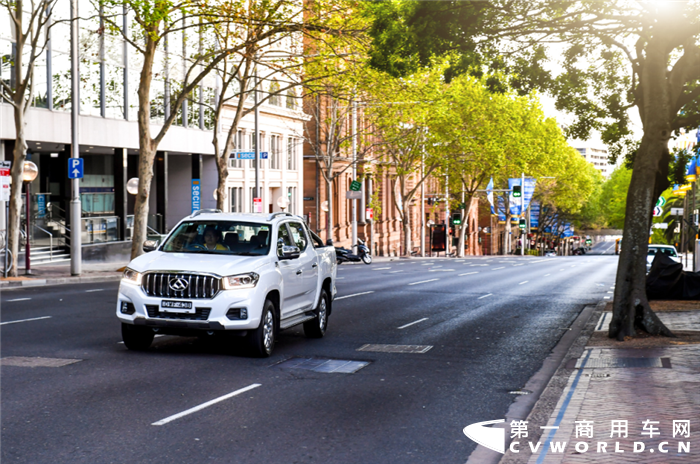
{"x": 75, "y": 168}
{"x": 660, "y": 225}
{"x": 257, "y": 205}
{"x": 677, "y": 211}
{"x": 661, "y": 202}
{"x": 369, "y": 214}
{"x": 350, "y": 195}
{"x": 658, "y": 211}
{"x": 248, "y": 155}
{"x": 355, "y": 186}
{"x": 5, "y": 180}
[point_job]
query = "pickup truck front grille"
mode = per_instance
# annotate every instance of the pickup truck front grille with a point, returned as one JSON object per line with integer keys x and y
{"x": 170, "y": 285}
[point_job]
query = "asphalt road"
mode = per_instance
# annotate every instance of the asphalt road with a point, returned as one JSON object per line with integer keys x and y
{"x": 490, "y": 322}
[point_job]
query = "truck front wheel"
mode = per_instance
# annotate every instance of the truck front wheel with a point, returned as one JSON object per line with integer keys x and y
{"x": 262, "y": 339}
{"x": 316, "y": 328}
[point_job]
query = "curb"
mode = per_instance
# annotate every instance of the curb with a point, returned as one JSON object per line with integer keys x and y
{"x": 18, "y": 284}
{"x": 546, "y": 384}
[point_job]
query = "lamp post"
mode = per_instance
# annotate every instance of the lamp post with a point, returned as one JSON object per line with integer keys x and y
{"x": 29, "y": 173}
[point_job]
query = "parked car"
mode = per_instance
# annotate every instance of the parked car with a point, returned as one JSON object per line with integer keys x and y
{"x": 668, "y": 250}
{"x": 550, "y": 253}
{"x": 253, "y": 274}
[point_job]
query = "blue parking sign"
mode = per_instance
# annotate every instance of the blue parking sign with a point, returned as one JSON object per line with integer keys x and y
{"x": 75, "y": 168}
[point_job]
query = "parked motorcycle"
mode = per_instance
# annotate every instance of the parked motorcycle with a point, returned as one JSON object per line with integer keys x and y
{"x": 343, "y": 255}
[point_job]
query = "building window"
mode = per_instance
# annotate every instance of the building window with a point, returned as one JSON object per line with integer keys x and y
{"x": 238, "y": 145}
{"x": 292, "y": 197}
{"x": 236, "y": 195}
{"x": 275, "y": 97}
{"x": 252, "y": 148}
{"x": 291, "y": 99}
{"x": 291, "y": 154}
{"x": 275, "y": 142}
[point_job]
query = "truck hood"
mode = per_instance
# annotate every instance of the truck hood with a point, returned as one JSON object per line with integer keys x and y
{"x": 222, "y": 265}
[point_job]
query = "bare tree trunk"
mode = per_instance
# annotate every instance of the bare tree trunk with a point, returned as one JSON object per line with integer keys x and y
{"x": 329, "y": 214}
{"x": 407, "y": 242}
{"x": 19, "y": 156}
{"x": 465, "y": 224}
{"x": 631, "y": 308}
{"x": 147, "y": 152}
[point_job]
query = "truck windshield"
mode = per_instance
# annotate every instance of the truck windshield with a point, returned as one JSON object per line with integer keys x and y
{"x": 219, "y": 237}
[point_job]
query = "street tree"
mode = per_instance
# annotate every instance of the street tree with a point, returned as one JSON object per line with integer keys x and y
{"x": 30, "y": 22}
{"x": 615, "y": 56}
{"x": 403, "y": 114}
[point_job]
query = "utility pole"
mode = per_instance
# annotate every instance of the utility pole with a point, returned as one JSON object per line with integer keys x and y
{"x": 257, "y": 132}
{"x": 354, "y": 176}
{"x": 75, "y": 206}
{"x": 447, "y": 215}
{"x": 522, "y": 213}
{"x": 422, "y": 204}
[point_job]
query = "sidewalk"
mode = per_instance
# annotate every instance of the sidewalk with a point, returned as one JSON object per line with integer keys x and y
{"x": 647, "y": 382}
{"x": 54, "y": 274}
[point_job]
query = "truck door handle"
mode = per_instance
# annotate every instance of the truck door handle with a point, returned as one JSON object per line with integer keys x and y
{"x": 314, "y": 265}
{"x": 299, "y": 272}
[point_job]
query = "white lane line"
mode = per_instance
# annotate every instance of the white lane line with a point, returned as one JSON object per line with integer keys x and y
{"x": 26, "y": 320}
{"x": 206, "y": 405}
{"x": 441, "y": 270}
{"x": 547, "y": 275}
{"x": 94, "y": 290}
{"x": 606, "y": 297}
{"x": 414, "y": 322}
{"x": 380, "y": 268}
{"x": 523, "y": 282}
{"x": 497, "y": 268}
{"x": 488, "y": 294}
{"x": 469, "y": 273}
{"x": 18, "y": 299}
{"x": 394, "y": 272}
{"x": 573, "y": 265}
{"x": 354, "y": 294}
{"x": 339, "y": 278}
{"x": 423, "y": 281}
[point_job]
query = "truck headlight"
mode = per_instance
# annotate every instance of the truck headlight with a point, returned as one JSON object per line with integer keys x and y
{"x": 235, "y": 282}
{"x": 131, "y": 276}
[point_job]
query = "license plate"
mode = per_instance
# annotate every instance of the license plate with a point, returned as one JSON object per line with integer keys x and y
{"x": 172, "y": 306}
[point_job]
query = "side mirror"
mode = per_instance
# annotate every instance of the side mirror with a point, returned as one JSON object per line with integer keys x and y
{"x": 289, "y": 252}
{"x": 329, "y": 242}
{"x": 150, "y": 245}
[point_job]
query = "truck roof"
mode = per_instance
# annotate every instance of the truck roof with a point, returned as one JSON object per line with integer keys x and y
{"x": 216, "y": 215}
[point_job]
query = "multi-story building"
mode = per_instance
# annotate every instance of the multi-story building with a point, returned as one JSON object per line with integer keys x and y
{"x": 598, "y": 157}
{"x": 185, "y": 171}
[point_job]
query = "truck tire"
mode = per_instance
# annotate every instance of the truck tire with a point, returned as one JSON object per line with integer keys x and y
{"x": 262, "y": 340}
{"x": 316, "y": 328}
{"x": 137, "y": 338}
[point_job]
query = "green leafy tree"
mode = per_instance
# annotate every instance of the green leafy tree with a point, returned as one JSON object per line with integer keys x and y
{"x": 616, "y": 55}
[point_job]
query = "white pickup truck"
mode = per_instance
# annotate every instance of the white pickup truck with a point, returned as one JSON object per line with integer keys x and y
{"x": 254, "y": 274}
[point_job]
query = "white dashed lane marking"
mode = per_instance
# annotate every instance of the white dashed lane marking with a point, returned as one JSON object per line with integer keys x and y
{"x": 18, "y": 299}
{"x": 205, "y": 405}
{"x": 354, "y": 294}
{"x": 26, "y": 320}
{"x": 412, "y": 323}
{"x": 423, "y": 282}
{"x": 488, "y": 294}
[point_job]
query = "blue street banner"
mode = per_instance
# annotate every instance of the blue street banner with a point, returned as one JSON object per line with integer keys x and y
{"x": 196, "y": 195}
{"x": 501, "y": 206}
{"x": 567, "y": 230}
{"x": 41, "y": 205}
{"x": 528, "y": 191}
{"x": 248, "y": 155}
{"x": 489, "y": 195}
{"x": 534, "y": 215}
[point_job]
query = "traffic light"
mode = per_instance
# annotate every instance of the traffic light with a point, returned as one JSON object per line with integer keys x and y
{"x": 517, "y": 191}
{"x": 457, "y": 219}
{"x": 521, "y": 223}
